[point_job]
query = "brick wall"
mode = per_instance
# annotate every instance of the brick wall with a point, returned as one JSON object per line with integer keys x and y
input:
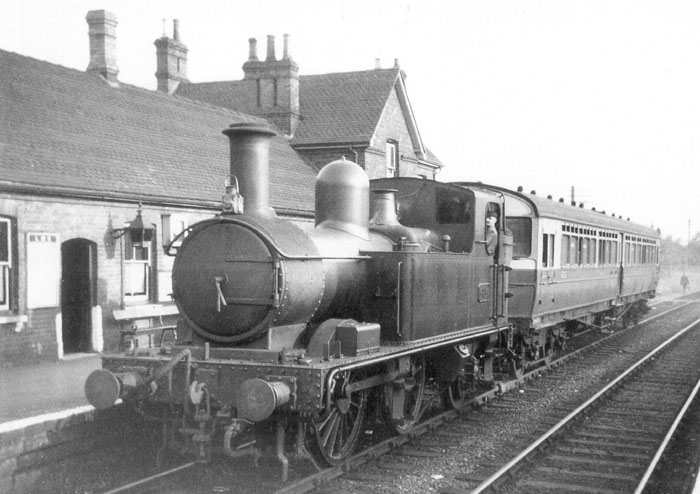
{"x": 73, "y": 454}
{"x": 70, "y": 219}
{"x": 393, "y": 126}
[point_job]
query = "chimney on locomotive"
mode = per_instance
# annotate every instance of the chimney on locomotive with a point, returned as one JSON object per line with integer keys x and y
{"x": 384, "y": 207}
{"x": 250, "y": 170}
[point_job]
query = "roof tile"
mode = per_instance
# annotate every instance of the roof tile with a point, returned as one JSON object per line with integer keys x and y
{"x": 61, "y": 127}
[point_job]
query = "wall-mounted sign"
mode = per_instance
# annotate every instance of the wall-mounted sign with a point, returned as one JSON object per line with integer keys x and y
{"x": 43, "y": 270}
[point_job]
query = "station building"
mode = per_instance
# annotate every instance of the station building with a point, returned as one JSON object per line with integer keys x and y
{"x": 86, "y": 160}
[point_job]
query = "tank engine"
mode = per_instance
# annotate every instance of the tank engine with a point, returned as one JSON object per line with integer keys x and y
{"x": 305, "y": 329}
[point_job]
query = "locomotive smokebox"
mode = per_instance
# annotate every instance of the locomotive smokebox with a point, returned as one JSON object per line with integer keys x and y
{"x": 250, "y": 165}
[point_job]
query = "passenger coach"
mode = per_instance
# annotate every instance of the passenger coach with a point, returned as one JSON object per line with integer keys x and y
{"x": 572, "y": 266}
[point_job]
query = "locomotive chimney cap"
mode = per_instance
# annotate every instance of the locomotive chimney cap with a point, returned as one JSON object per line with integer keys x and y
{"x": 248, "y": 127}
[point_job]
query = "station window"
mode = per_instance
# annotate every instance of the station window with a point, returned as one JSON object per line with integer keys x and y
{"x": 137, "y": 267}
{"x": 5, "y": 262}
{"x": 547, "y": 250}
{"x": 392, "y": 149}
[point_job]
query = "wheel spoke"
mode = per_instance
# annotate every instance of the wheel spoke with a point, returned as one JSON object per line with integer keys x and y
{"x": 337, "y": 432}
{"x": 333, "y": 435}
{"x": 329, "y": 429}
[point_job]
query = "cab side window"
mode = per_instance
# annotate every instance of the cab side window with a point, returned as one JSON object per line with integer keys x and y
{"x": 451, "y": 207}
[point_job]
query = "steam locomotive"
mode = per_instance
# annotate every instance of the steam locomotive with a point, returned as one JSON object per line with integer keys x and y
{"x": 423, "y": 290}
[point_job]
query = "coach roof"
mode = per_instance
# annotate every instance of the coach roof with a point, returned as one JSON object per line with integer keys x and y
{"x": 548, "y": 208}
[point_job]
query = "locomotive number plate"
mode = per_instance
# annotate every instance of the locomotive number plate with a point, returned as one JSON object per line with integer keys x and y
{"x": 484, "y": 292}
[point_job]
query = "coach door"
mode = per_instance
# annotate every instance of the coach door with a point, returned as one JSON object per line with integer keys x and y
{"x": 623, "y": 260}
{"x": 78, "y": 293}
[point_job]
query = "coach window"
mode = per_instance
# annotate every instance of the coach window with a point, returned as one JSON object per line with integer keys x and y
{"x": 137, "y": 265}
{"x": 565, "y": 250}
{"x": 521, "y": 229}
{"x": 576, "y": 248}
{"x": 592, "y": 252}
{"x": 583, "y": 250}
{"x": 547, "y": 250}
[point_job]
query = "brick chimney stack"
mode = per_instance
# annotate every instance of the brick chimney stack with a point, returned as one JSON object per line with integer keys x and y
{"x": 273, "y": 85}
{"x": 171, "y": 58}
{"x": 103, "y": 44}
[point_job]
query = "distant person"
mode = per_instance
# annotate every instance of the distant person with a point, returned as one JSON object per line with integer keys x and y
{"x": 685, "y": 283}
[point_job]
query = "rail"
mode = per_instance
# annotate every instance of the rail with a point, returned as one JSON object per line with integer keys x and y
{"x": 508, "y": 467}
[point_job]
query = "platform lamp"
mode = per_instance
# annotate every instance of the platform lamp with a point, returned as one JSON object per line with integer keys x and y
{"x": 139, "y": 233}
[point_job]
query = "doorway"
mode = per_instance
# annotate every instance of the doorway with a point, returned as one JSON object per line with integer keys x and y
{"x": 78, "y": 293}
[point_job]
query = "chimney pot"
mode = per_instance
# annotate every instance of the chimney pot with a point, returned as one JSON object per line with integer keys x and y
{"x": 176, "y": 29}
{"x": 285, "y": 55}
{"x": 253, "y": 49}
{"x": 396, "y": 63}
{"x": 377, "y": 63}
{"x": 270, "y": 48}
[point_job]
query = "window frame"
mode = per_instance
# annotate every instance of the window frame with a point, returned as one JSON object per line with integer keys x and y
{"x": 133, "y": 264}
{"x": 392, "y": 159}
{"x": 6, "y": 288}
{"x": 548, "y": 250}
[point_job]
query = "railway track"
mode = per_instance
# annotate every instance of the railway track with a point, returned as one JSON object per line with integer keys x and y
{"x": 612, "y": 443}
{"x": 381, "y": 463}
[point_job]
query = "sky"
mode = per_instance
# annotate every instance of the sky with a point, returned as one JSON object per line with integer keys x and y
{"x": 599, "y": 96}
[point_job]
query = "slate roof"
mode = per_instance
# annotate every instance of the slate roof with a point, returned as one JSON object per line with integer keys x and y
{"x": 337, "y": 108}
{"x": 64, "y": 130}
{"x": 344, "y": 106}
